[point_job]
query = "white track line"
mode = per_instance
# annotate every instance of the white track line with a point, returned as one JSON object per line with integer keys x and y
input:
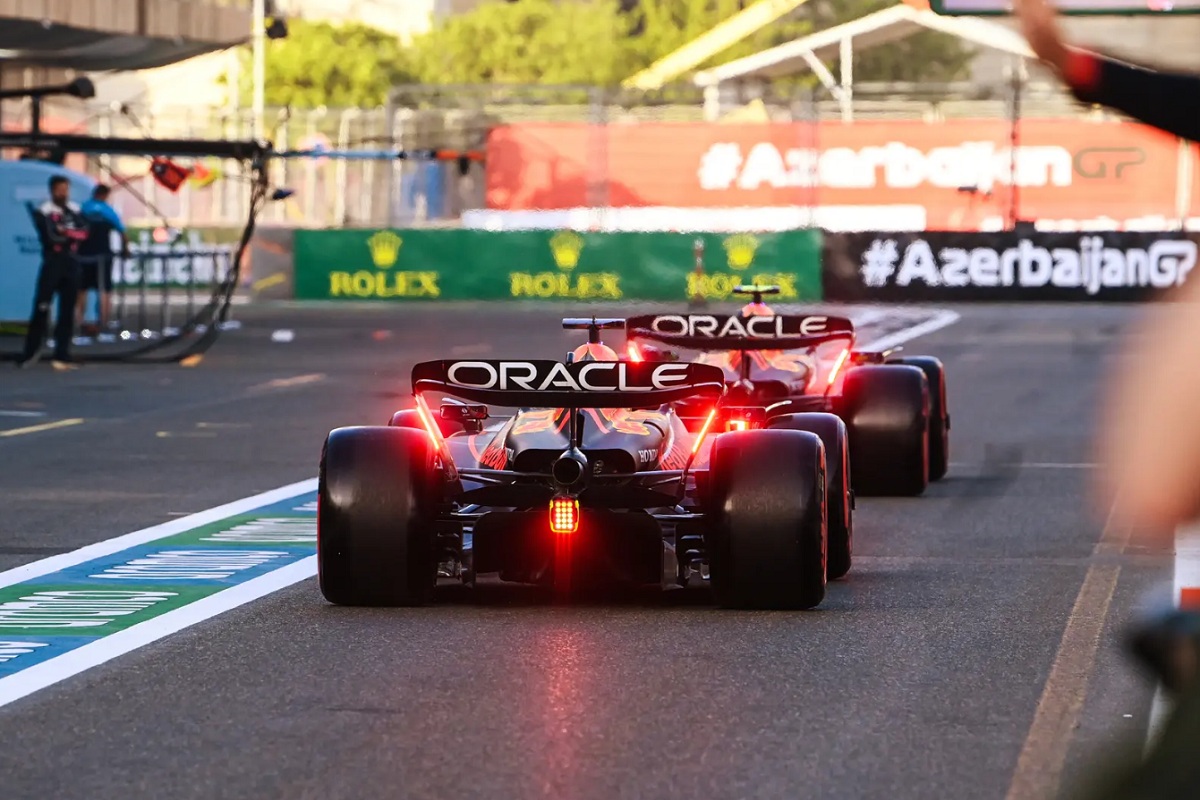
{"x": 39, "y": 676}
{"x": 940, "y": 320}
{"x": 868, "y": 316}
{"x": 107, "y": 547}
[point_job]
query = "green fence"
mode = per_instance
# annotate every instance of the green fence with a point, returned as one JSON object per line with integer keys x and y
{"x": 549, "y": 265}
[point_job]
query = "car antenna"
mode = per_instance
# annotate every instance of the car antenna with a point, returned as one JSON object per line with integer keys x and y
{"x": 756, "y": 291}
{"x": 593, "y": 325}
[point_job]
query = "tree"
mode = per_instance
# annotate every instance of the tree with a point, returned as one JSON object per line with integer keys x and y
{"x": 602, "y": 42}
{"x": 339, "y": 66}
{"x": 592, "y": 42}
{"x": 531, "y": 41}
{"x": 580, "y": 42}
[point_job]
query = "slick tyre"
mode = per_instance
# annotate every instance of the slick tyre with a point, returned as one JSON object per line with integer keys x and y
{"x": 886, "y": 410}
{"x": 839, "y": 496}
{"x": 767, "y": 510}
{"x": 939, "y": 414}
{"x": 375, "y": 546}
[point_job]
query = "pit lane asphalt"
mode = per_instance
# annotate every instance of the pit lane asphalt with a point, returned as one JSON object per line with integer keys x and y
{"x": 919, "y": 676}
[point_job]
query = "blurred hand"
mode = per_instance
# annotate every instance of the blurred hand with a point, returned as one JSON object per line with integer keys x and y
{"x": 1150, "y": 432}
{"x": 1039, "y": 25}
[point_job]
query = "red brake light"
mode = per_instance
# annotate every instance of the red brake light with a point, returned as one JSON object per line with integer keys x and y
{"x": 837, "y": 366}
{"x": 712, "y": 415}
{"x": 564, "y": 515}
{"x": 435, "y": 433}
{"x": 737, "y": 425}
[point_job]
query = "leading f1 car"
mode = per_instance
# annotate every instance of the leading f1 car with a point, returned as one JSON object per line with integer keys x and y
{"x": 882, "y": 417}
{"x": 593, "y": 476}
{"x": 894, "y": 407}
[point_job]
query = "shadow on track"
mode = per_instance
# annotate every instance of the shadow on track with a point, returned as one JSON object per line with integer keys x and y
{"x": 492, "y": 594}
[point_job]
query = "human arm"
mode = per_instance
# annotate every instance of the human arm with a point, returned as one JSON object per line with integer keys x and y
{"x": 1149, "y": 443}
{"x": 1158, "y": 98}
{"x": 39, "y": 224}
{"x": 110, "y": 215}
{"x": 1165, "y": 100}
{"x": 112, "y": 218}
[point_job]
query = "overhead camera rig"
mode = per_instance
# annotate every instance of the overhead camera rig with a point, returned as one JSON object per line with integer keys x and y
{"x": 82, "y": 88}
{"x": 54, "y": 147}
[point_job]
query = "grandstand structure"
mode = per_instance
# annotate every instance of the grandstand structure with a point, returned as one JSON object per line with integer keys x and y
{"x": 44, "y": 41}
{"x": 49, "y": 42}
{"x": 1002, "y": 55}
{"x": 811, "y": 53}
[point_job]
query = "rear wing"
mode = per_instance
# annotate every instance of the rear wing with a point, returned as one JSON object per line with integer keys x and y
{"x": 554, "y": 384}
{"x": 735, "y": 332}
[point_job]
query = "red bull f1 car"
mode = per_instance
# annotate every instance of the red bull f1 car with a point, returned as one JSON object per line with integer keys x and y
{"x": 883, "y": 418}
{"x": 594, "y": 475}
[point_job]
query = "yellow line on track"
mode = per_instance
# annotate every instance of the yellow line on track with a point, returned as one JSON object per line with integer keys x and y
{"x": 45, "y": 426}
{"x": 288, "y": 383}
{"x": 1039, "y": 771}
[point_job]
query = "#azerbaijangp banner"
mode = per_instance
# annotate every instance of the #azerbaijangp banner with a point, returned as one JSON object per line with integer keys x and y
{"x": 952, "y": 175}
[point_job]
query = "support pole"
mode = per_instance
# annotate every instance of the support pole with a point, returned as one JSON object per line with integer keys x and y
{"x": 846, "y": 65}
{"x": 697, "y": 300}
{"x": 35, "y": 119}
{"x": 260, "y": 68}
{"x": 1014, "y": 142}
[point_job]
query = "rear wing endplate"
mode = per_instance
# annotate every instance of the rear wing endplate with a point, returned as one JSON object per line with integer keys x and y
{"x": 554, "y": 384}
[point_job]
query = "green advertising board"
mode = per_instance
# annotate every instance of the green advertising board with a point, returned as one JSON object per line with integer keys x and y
{"x": 355, "y": 264}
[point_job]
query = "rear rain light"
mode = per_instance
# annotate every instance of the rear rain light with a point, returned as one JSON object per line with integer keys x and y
{"x": 712, "y": 415}
{"x": 426, "y": 417}
{"x": 737, "y": 425}
{"x": 564, "y": 515}
{"x": 837, "y": 366}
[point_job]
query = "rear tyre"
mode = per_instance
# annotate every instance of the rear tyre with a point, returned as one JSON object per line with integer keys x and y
{"x": 886, "y": 409}
{"x": 766, "y": 502}
{"x": 939, "y": 415}
{"x": 839, "y": 497}
{"x": 375, "y": 544}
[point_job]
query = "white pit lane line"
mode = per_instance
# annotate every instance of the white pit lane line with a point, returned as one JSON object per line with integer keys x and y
{"x": 59, "y": 668}
{"x": 46, "y": 673}
{"x": 939, "y": 320}
{"x": 1186, "y": 590}
{"x": 107, "y": 547}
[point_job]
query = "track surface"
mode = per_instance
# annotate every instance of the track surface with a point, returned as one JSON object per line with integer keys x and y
{"x": 921, "y": 676}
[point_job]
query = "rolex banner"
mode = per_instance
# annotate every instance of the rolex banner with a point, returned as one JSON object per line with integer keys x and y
{"x": 353, "y": 264}
{"x": 942, "y": 266}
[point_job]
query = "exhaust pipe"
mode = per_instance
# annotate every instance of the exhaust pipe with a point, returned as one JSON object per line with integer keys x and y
{"x": 570, "y": 468}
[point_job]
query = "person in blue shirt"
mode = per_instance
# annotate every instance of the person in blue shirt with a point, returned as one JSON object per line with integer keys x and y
{"x": 96, "y": 254}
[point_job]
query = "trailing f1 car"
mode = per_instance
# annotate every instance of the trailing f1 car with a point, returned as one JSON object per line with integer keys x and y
{"x": 894, "y": 407}
{"x": 595, "y": 477}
